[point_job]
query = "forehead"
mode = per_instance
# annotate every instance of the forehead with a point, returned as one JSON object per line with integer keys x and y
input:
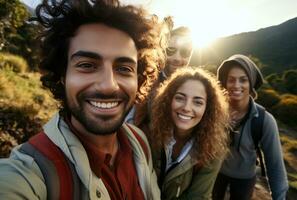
{"x": 179, "y": 41}
{"x": 104, "y": 40}
{"x": 193, "y": 88}
{"x": 236, "y": 71}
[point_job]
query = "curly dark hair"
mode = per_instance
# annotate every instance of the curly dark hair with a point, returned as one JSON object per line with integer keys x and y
{"x": 210, "y": 136}
{"x": 61, "y": 19}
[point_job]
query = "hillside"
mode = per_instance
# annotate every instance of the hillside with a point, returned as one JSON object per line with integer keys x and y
{"x": 275, "y": 46}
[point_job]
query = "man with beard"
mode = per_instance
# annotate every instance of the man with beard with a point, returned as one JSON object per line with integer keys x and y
{"x": 99, "y": 57}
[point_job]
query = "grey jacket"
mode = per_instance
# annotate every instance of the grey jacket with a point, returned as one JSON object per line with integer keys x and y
{"x": 21, "y": 178}
{"x": 241, "y": 161}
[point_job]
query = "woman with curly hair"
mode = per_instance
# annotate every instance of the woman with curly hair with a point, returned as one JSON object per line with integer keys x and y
{"x": 188, "y": 133}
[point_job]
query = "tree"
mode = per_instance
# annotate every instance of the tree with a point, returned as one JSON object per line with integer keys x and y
{"x": 17, "y": 35}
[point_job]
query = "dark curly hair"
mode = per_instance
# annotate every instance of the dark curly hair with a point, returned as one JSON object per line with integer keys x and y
{"x": 210, "y": 136}
{"x": 61, "y": 19}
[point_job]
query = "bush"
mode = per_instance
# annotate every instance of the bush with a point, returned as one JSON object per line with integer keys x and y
{"x": 286, "y": 109}
{"x": 24, "y": 108}
{"x": 268, "y": 98}
{"x": 276, "y": 83}
{"x": 20, "y": 122}
{"x": 16, "y": 63}
{"x": 290, "y": 80}
{"x": 7, "y": 142}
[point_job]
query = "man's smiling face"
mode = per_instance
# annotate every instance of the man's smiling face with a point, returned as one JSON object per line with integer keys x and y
{"x": 101, "y": 78}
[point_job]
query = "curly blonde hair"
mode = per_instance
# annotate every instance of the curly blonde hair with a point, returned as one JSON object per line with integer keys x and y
{"x": 210, "y": 134}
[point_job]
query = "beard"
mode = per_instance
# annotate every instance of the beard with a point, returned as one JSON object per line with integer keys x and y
{"x": 98, "y": 125}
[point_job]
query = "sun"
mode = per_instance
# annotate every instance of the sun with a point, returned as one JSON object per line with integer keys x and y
{"x": 201, "y": 39}
{"x": 207, "y": 20}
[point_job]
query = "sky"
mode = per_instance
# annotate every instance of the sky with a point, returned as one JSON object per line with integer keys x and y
{"x": 210, "y": 19}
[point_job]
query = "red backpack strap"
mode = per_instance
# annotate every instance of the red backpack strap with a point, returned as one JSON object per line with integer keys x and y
{"x": 60, "y": 177}
{"x": 139, "y": 139}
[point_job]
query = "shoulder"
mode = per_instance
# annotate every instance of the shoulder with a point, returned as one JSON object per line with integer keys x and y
{"x": 269, "y": 120}
{"x": 136, "y": 135}
{"x": 269, "y": 123}
{"x": 20, "y": 177}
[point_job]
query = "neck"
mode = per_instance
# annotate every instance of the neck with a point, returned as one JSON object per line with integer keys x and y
{"x": 178, "y": 146}
{"x": 183, "y": 137}
{"x": 106, "y": 143}
{"x": 240, "y": 106}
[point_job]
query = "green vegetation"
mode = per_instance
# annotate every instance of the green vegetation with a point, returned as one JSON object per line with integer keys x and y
{"x": 289, "y": 144}
{"x": 24, "y": 107}
{"x": 16, "y": 63}
{"x": 18, "y": 35}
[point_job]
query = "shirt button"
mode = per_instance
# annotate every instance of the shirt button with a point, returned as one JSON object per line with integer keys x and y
{"x": 98, "y": 193}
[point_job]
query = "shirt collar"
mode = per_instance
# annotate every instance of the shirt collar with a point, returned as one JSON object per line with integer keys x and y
{"x": 184, "y": 152}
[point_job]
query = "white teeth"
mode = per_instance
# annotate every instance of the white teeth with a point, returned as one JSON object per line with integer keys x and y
{"x": 184, "y": 117}
{"x": 236, "y": 92}
{"x": 104, "y": 105}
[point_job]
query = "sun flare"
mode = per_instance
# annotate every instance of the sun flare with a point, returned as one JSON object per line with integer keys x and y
{"x": 207, "y": 20}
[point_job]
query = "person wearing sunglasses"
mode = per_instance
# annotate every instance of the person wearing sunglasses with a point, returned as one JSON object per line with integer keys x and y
{"x": 178, "y": 51}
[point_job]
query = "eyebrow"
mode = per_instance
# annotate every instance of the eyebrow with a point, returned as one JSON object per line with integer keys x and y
{"x": 87, "y": 54}
{"x": 243, "y": 76}
{"x": 195, "y": 97}
{"x": 126, "y": 60}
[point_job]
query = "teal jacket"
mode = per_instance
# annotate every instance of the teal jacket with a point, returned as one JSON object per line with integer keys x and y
{"x": 185, "y": 181}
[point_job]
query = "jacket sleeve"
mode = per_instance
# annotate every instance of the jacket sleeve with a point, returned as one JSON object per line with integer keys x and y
{"x": 202, "y": 182}
{"x": 21, "y": 179}
{"x": 272, "y": 149}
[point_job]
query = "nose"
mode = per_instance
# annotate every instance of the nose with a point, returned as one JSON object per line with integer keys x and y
{"x": 237, "y": 83}
{"x": 187, "y": 106}
{"x": 107, "y": 82}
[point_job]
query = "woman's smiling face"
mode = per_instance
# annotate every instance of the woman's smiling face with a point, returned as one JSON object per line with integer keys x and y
{"x": 188, "y": 106}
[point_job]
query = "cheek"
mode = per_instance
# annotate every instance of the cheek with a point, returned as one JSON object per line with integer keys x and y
{"x": 186, "y": 60}
{"x": 173, "y": 108}
{"x": 75, "y": 84}
{"x": 200, "y": 112}
{"x": 175, "y": 105}
{"x": 130, "y": 86}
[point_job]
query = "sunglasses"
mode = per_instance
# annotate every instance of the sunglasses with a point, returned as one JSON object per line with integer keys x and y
{"x": 184, "y": 52}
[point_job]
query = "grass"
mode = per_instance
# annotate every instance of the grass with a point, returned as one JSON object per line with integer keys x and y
{"x": 24, "y": 107}
{"x": 288, "y": 139}
{"x": 25, "y": 91}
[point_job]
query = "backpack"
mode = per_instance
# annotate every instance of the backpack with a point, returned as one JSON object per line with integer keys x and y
{"x": 257, "y": 133}
{"x": 61, "y": 179}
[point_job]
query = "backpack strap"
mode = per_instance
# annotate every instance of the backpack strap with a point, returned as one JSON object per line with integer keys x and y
{"x": 55, "y": 167}
{"x": 257, "y": 133}
{"x": 140, "y": 138}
